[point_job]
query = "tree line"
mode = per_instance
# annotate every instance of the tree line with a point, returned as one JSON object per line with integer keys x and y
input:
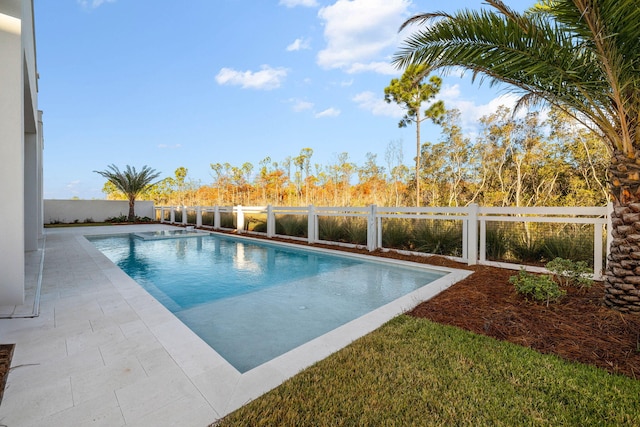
{"x": 513, "y": 160}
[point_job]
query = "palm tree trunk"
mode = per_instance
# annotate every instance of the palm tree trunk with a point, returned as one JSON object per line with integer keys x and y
{"x": 132, "y": 214}
{"x": 418, "y": 159}
{"x": 622, "y": 281}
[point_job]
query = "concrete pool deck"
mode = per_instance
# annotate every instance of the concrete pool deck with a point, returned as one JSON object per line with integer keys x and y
{"x": 104, "y": 352}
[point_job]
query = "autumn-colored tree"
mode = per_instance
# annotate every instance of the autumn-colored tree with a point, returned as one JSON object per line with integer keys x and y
{"x": 371, "y": 182}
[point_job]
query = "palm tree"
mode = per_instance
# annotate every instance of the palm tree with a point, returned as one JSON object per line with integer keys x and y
{"x": 130, "y": 182}
{"x": 582, "y": 56}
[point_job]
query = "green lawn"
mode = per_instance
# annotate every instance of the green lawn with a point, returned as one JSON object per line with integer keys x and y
{"x": 416, "y": 372}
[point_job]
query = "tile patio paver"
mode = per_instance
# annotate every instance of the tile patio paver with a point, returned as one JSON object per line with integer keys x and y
{"x": 104, "y": 352}
{"x": 90, "y": 358}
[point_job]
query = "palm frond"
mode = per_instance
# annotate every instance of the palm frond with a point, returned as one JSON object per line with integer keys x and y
{"x": 130, "y": 181}
{"x": 579, "y": 55}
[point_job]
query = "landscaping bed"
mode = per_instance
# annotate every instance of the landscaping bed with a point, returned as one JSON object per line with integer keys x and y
{"x": 6, "y": 353}
{"x": 577, "y": 328}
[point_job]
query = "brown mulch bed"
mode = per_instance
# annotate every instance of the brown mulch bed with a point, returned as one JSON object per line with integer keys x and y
{"x": 6, "y": 353}
{"x": 578, "y": 328}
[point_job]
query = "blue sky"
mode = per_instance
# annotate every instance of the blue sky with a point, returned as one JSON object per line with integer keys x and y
{"x": 189, "y": 83}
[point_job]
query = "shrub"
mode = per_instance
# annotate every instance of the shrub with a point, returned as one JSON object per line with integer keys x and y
{"x": 396, "y": 233}
{"x": 356, "y": 229}
{"x": 259, "y": 226}
{"x": 527, "y": 249}
{"x": 569, "y": 273}
{"x": 331, "y": 229}
{"x": 571, "y": 241}
{"x": 227, "y": 220}
{"x": 292, "y": 225}
{"x": 497, "y": 243}
{"x": 255, "y": 222}
{"x": 121, "y": 218}
{"x": 439, "y": 237}
{"x": 538, "y": 287}
{"x": 207, "y": 218}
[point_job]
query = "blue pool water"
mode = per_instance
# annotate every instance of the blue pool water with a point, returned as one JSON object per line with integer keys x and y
{"x": 252, "y": 302}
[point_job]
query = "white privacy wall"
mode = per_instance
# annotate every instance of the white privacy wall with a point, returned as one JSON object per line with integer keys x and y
{"x": 68, "y": 211}
{"x": 20, "y": 147}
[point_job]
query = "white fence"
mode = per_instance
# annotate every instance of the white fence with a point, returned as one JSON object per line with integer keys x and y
{"x": 473, "y": 224}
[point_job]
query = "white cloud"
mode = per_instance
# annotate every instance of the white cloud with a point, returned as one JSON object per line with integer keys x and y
{"x": 452, "y": 97}
{"x": 449, "y": 91}
{"x": 294, "y": 3}
{"x": 377, "y": 67}
{"x": 73, "y": 186}
{"x": 359, "y": 32}
{"x": 329, "y": 112}
{"x": 472, "y": 112}
{"x": 376, "y": 104}
{"x": 299, "y": 44}
{"x": 267, "y": 78}
{"x": 93, "y": 4}
{"x": 163, "y": 146}
{"x": 299, "y": 105}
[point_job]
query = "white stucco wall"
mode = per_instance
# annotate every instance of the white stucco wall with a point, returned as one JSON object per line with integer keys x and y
{"x": 68, "y": 211}
{"x": 12, "y": 134}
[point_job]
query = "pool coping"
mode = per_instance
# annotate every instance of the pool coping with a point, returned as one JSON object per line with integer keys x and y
{"x": 222, "y": 386}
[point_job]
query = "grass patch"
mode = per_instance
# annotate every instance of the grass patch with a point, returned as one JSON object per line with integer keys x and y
{"x": 415, "y": 372}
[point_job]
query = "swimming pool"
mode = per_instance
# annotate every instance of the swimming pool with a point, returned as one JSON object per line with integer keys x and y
{"x": 253, "y": 301}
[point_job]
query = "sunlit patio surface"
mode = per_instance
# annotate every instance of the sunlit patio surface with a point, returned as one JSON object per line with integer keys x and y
{"x": 104, "y": 352}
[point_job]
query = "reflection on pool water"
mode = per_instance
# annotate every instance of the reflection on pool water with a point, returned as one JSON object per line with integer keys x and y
{"x": 169, "y": 234}
{"x": 252, "y": 302}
